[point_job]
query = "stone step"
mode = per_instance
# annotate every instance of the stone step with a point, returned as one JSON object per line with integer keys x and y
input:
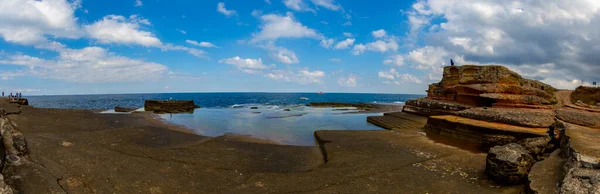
{"x": 394, "y": 123}
{"x": 407, "y": 116}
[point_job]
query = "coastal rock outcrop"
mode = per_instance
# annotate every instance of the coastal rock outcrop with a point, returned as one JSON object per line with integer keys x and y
{"x": 124, "y": 109}
{"x": 586, "y": 95}
{"x": 508, "y": 164}
{"x": 537, "y": 146}
{"x": 170, "y": 106}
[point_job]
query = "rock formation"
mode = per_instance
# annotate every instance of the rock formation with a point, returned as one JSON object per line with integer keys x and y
{"x": 491, "y": 105}
{"x": 124, "y": 109}
{"x": 170, "y": 106}
{"x": 508, "y": 164}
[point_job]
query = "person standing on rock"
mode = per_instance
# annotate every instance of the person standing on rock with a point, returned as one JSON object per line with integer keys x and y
{"x": 451, "y": 62}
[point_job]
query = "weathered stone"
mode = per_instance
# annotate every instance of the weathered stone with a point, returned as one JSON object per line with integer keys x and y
{"x": 254, "y": 107}
{"x": 492, "y": 140}
{"x": 429, "y": 107}
{"x": 579, "y": 117}
{"x": 535, "y": 146}
{"x": 581, "y": 181}
{"x": 519, "y": 117}
{"x": 587, "y": 95}
{"x": 170, "y": 106}
{"x": 508, "y": 164}
{"x": 488, "y": 85}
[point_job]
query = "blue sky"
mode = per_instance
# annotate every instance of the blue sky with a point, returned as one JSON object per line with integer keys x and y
{"x": 380, "y": 46}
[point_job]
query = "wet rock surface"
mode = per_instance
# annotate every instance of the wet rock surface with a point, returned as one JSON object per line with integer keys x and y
{"x": 508, "y": 164}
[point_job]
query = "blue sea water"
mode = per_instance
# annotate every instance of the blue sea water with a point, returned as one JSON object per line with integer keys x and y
{"x": 278, "y": 117}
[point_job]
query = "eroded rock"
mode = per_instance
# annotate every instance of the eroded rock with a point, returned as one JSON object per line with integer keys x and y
{"x": 492, "y": 140}
{"x": 519, "y": 117}
{"x": 508, "y": 164}
{"x": 581, "y": 181}
{"x": 170, "y": 106}
{"x": 536, "y": 146}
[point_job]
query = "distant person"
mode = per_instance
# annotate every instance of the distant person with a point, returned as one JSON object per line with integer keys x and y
{"x": 10, "y": 96}
{"x": 2, "y": 94}
{"x": 451, "y": 62}
{"x": 170, "y": 98}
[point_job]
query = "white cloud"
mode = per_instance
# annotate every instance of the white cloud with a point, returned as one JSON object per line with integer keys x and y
{"x": 90, "y": 65}
{"x": 221, "y": 9}
{"x": 378, "y": 33}
{"x": 281, "y": 54}
{"x": 182, "y": 31}
{"x": 303, "y": 76}
{"x": 26, "y": 90}
{"x": 347, "y": 34}
{"x": 394, "y": 77}
{"x": 347, "y": 23}
{"x": 121, "y": 30}
{"x": 328, "y": 4}
{"x": 138, "y": 3}
{"x": 349, "y": 81}
{"x": 306, "y": 76}
{"x": 297, "y": 5}
{"x": 243, "y": 64}
{"x": 201, "y": 44}
{"x": 33, "y": 22}
{"x": 359, "y": 49}
{"x": 520, "y": 34}
{"x": 383, "y": 45}
{"x": 327, "y": 43}
{"x": 277, "y": 26}
{"x": 397, "y": 60}
{"x": 344, "y": 44}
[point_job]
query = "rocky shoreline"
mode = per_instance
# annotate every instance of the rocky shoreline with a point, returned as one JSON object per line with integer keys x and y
{"x": 503, "y": 115}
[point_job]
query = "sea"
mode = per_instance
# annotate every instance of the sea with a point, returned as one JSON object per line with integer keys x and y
{"x": 282, "y": 118}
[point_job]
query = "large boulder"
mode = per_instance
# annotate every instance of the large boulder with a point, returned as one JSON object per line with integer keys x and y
{"x": 508, "y": 164}
{"x": 536, "y": 146}
{"x": 492, "y": 140}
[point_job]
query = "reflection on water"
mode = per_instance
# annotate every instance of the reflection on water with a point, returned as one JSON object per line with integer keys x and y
{"x": 292, "y": 125}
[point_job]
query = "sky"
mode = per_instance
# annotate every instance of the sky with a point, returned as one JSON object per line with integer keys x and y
{"x": 52, "y": 47}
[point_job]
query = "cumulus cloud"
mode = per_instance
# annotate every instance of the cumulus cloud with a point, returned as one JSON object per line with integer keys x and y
{"x": 138, "y": 3}
{"x": 122, "y": 30}
{"x": 328, "y": 4}
{"x": 221, "y": 9}
{"x": 327, "y": 43}
{"x": 344, "y": 44}
{"x": 385, "y": 45}
{"x": 281, "y": 54}
{"x": 359, "y": 49}
{"x": 89, "y": 65}
{"x": 397, "y": 60}
{"x": 32, "y": 22}
{"x": 516, "y": 34}
{"x": 394, "y": 77}
{"x": 277, "y": 26}
{"x": 297, "y": 5}
{"x": 244, "y": 64}
{"x": 349, "y": 81}
{"x": 201, "y": 44}
{"x": 303, "y": 76}
{"x": 347, "y": 34}
{"x": 378, "y": 33}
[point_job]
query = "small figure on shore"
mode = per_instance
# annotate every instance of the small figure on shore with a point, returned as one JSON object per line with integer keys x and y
{"x": 451, "y": 62}
{"x": 10, "y": 96}
{"x": 170, "y": 98}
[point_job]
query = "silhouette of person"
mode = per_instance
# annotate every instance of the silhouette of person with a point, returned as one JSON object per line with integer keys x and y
{"x": 451, "y": 62}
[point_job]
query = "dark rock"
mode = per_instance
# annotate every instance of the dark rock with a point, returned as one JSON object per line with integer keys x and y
{"x": 340, "y": 104}
{"x": 170, "y": 106}
{"x": 535, "y": 146}
{"x": 287, "y": 109}
{"x": 124, "y": 109}
{"x": 491, "y": 140}
{"x": 254, "y": 107}
{"x": 19, "y": 142}
{"x": 581, "y": 181}
{"x": 508, "y": 164}
{"x": 20, "y": 101}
